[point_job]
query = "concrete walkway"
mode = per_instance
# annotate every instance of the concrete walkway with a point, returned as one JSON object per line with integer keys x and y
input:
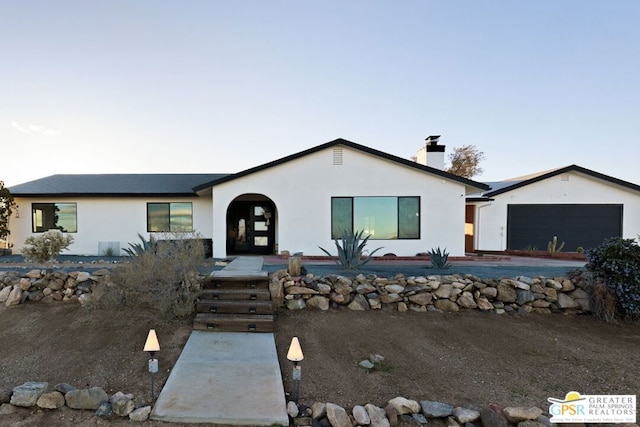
{"x": 226, "y": 378}
{"x": 243, "y": 266}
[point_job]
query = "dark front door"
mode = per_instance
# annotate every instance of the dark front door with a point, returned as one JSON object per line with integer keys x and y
{"x": 251, "y": 228}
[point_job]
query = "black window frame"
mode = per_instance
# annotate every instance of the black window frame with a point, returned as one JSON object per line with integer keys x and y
{"x": 398, "y": 217}
{"x": 52, "y": 207}
{"x": 170, "y": 230}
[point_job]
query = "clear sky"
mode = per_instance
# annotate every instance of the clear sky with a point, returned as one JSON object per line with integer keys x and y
{"x": 142, "y": 86}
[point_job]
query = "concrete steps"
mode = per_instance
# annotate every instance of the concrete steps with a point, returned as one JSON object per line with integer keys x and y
{"x": 235, "y": 302}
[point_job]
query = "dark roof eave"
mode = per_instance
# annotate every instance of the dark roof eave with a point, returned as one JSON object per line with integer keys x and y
{"x": 560, "y": 171}
{"x": 94, "y": 195}
{"x": 479, "y": 199}
{"x": 354, "y": 146}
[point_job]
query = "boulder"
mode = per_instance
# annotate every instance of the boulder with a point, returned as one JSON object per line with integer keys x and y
{"x": 465, "y": 415}
{"x": 14, "y": 296}
{"x": 484, "y": 304}
{"x": 63, "y": 388}
{"x": 296, "y": 304}
{"x": 7, "y": 408}
{"x": 524, "y": 296}
{"x": 292, "y": 409}
{"x": 489, "y": 292}
{"x": 506, "y": 292}
{"x": 394, "y": 289}
{"x": 337, "y": 416}
{"x": 140, "y": 414}
{"x": 89, "y": 398}
{"x": 518, "y": 413}
{"x": 565, "y": 301}
{"x": 4, "y": 293}
{"x": 122, "y": 404}
{"x": 361, "y": 415}
{"x": 466, "y": 300}
{"x": 423, "y": 298}
{"x": 318, "y": 410}
{"x": 493, "y": 418}
{"x": 359, "y": 303}
{"x": 377, "y": 416}
{"x": 435, "y": 409}
{"x": 53, "y": 400}
{"x": 319, "y": 302}
{"x": 404, "y": 406}
{"x": 28, "y": 393}
{"x": 5, "y": 395}
{"x": 446, "y": 305}
{"x": 444, "y": 291}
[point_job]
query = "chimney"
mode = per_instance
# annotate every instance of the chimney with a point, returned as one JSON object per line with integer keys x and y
{"x": 431, "y": 154}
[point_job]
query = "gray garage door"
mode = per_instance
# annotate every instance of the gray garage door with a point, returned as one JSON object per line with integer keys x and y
{"x": 576, "y": 225}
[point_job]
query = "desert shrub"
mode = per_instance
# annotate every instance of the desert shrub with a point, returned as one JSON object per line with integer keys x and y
{"x": 439, "y": 258}
{"x": 46, "y": 247}
{"x": 351, "y": 250}
{"x": 617, "y": 263}
{"x": 165, "y": 279}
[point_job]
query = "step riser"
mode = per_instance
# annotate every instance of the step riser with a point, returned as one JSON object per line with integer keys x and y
{"x": 235, "y": 296}
{"x": 212, "y": 307}
{"x": 235, "y": 304}
{"x": 233, "y": 327}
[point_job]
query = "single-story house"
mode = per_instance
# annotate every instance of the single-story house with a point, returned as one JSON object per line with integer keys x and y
{"x": 296, "y": 203}
{"x": 579, "y": 206}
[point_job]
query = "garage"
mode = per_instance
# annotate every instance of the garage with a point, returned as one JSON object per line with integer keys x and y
{"x": 578, "y": 225}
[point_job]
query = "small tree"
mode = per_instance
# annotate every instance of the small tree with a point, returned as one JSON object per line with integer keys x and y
{"x": 465, "y": 161}
{"x": 7, "y": 204}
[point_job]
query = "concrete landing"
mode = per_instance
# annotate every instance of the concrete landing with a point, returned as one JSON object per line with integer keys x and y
{"x": 243, "y": 266}
{"x": 229, "y": 378}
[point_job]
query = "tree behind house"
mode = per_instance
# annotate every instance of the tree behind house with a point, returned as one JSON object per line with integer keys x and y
{"x": 465, "y": 161}
{"x": 7, "y": 204}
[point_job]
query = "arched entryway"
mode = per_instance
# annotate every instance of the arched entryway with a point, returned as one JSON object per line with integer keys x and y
{"x": 251, "y": 225}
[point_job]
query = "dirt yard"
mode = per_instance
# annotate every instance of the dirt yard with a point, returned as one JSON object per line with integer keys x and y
{"x": 461, "y": 359}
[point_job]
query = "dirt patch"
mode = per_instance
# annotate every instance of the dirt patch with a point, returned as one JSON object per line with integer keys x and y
{"x": 463, "y": 359}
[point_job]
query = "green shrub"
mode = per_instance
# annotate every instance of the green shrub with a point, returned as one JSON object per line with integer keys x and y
{"x": 439, "y": 258}
{"x": 617, "y": 263}
{"x": 165, "y": 279}
{"x": 351, "y": 250}
{"x": 46, "y": 247}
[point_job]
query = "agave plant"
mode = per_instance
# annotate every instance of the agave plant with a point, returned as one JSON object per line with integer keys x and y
{"x": 439, "y": 258}
{"x": 351, "y": 250}
{"x": 137, "y": 249}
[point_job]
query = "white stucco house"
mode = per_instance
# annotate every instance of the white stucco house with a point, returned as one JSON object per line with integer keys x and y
{"x": 579, "y": 206}
{"x": 296, "y": 203}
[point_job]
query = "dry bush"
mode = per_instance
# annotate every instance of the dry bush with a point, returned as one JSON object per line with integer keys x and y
{"x": 604, "y": 303}
{"x": 165, "y": 278}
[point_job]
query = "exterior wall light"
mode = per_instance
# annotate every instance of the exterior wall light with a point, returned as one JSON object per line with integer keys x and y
{"x": 295, "y": 355}
{"x": 151, "y": 346}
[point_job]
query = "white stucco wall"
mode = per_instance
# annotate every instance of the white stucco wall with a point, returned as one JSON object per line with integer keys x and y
{"x": 106, "y": 220}
{"x": 302, "y": 189}
{"x": 491, "y": 218}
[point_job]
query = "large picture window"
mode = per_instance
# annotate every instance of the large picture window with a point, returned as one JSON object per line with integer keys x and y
{"x": 54, "y": 216}
{"x": 169, "y": 217}
{"x": 383, "y": 218}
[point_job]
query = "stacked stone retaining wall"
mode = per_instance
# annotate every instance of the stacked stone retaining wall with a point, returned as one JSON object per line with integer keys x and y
{"x": 445, "y": 293}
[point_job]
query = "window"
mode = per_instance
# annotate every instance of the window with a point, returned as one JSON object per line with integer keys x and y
{"x": 54, "y": 216}
{"x": 383, "y": 218}
{"x": 175, "y": 217}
